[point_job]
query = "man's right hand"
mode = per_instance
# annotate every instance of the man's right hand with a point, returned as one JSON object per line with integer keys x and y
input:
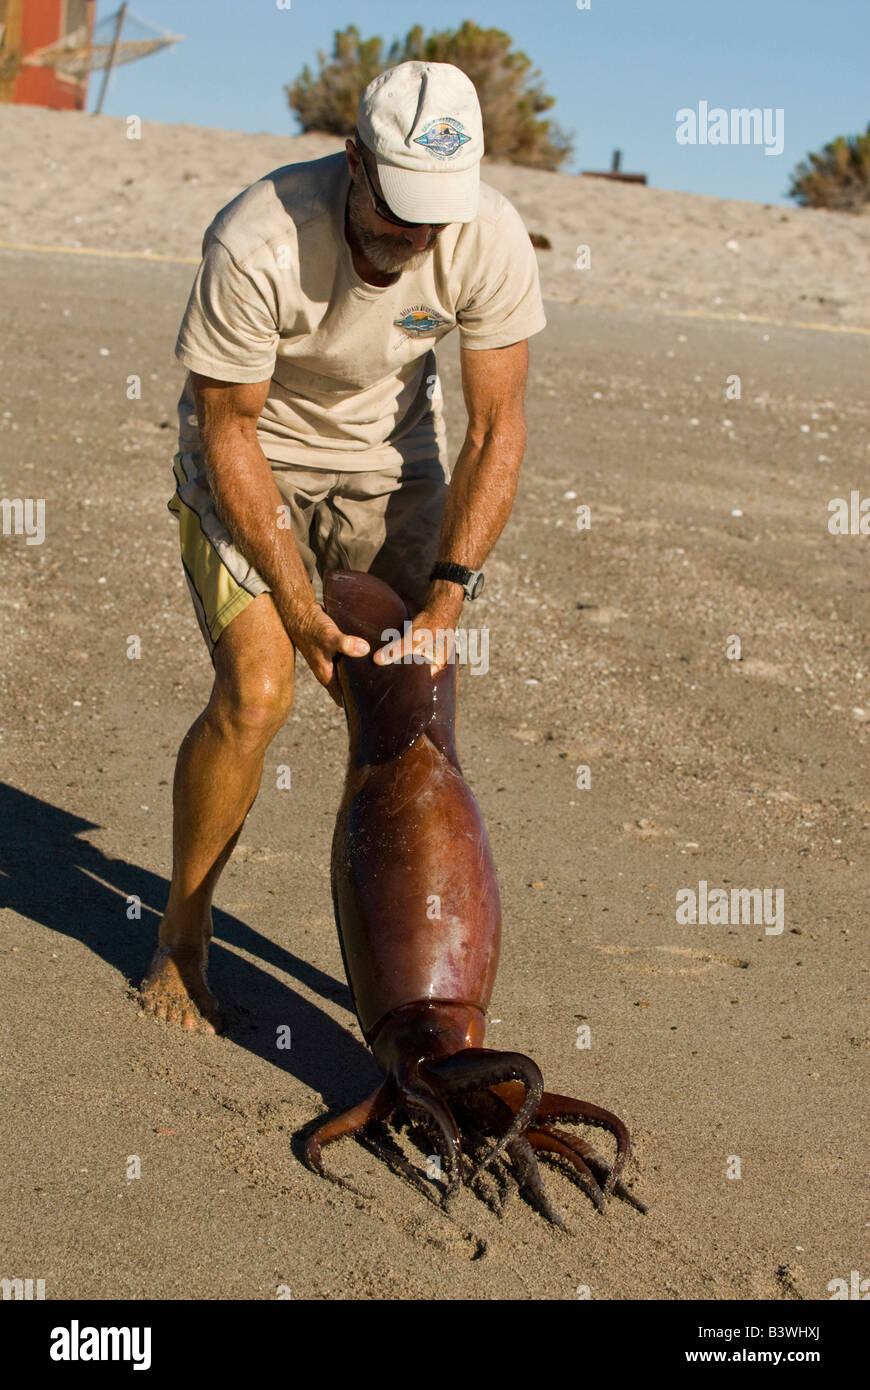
{"x": 247, "y": 501}
{"x": 316, "y": 636}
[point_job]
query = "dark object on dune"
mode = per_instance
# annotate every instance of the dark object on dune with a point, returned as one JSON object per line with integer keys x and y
{"x": 540, "y": 242}
{"x": 614, "y": 172}
{"x": 417, "y": 907}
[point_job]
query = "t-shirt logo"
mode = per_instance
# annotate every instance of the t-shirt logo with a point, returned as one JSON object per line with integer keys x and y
{"x": 419, "y": 319}
{"x": 443, "y": 136}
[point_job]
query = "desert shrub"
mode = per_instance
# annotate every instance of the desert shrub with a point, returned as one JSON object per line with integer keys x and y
{"x": 838, "y": 178}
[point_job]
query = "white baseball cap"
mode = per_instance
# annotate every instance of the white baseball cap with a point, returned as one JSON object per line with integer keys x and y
{"x": 422, "y": 122}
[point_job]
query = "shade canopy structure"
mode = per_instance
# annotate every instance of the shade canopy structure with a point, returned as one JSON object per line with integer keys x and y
{"x": 120, "y": 38}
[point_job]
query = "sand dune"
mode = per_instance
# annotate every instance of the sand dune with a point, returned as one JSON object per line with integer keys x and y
{"x": 74, "y": 179}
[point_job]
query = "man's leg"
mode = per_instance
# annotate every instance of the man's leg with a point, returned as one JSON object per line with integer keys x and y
{"x": 217, "y": 777}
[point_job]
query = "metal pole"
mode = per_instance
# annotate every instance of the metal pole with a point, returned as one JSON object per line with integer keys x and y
{"x": 107, "y": 71}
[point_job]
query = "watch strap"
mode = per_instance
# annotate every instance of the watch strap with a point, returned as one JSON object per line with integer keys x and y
{"x": 457, "y": 574}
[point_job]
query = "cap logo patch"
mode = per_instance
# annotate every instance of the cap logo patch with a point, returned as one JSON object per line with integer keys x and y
{"x": 443, "y": 136}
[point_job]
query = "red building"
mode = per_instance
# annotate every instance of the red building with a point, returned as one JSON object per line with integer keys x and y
{"x": 29, "y": 26}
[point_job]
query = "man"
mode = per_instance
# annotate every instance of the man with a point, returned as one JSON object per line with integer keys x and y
{"x": 311, "y": 436}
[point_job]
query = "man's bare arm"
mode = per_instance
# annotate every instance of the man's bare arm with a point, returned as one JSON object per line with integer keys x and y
{"x": 249, "y": 504}
{"x": 484, "y": 481}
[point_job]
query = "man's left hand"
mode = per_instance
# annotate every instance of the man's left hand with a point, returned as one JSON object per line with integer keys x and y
{"x": 431, "y": 638}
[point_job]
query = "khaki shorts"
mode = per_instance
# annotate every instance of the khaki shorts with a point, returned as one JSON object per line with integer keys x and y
{"x": 386, "y": 522}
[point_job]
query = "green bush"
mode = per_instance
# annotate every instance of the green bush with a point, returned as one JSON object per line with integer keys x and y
{"x": 511, "y": 95}
{"x": 838, "y": 178}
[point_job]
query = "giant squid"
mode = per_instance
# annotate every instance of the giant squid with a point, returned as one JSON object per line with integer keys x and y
{"x": 417, "y": 908}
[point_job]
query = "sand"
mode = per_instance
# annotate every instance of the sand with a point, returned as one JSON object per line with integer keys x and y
{"x": 608, "y": 649}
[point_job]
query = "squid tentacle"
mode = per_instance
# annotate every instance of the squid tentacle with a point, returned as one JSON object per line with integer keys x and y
{"x": 417, "y": 1096}
{"x": 557, "y": 1107}
{"x": 479, "y": 1068}
{"x": 550, "y": 1141}
{"x": 377, "y": 1106}
{"x": 520, "y": 1153}
{"x": 599, "y": 1165}
{"x": 522, "y": 1156}
{"x": 385, "y": 1147}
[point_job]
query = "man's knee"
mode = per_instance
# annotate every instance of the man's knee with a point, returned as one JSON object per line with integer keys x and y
{"x": 253, "y": 703}
{"x": 253, "y": 689}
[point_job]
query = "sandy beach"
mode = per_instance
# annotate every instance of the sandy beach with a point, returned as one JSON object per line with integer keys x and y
{"x": 610, "y": 648}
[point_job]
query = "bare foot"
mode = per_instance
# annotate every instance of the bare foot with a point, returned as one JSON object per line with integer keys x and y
{"x": 175, "y": 989}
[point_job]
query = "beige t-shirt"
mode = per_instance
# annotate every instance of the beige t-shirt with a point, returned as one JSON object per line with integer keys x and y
{"x": 352, "y": 365}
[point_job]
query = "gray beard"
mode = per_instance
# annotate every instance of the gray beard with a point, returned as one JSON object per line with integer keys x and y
{"x": 389, "y": 254}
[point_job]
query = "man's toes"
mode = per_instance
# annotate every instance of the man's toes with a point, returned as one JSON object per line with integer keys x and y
{"x": 193, "y": 1020}
{"x": 210, "y": 1022}
{"x": 180, "y": 1008}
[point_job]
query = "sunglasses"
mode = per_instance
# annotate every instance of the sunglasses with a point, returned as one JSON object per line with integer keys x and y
{"x": 385, "y": 214}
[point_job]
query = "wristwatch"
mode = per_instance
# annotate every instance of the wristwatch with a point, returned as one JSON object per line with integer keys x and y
{"x": 471, "y": 580}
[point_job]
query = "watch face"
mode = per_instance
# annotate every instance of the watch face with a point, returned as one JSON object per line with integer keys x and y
{"x": 476, "y": 585}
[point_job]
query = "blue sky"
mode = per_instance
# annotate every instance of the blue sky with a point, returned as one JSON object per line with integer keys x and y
{"x": 619, "y": 71}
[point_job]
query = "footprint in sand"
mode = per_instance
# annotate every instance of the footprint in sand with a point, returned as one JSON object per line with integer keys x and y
{"x": 764, "y": 670}
{"x": 646, "y": 829}
{"x": 252, "y": 854}
{"x": 601, "y": 614}
{"x": 648, "y": 960}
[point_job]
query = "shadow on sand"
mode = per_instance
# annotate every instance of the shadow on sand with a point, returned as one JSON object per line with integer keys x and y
{"x": 52, "y": 876}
